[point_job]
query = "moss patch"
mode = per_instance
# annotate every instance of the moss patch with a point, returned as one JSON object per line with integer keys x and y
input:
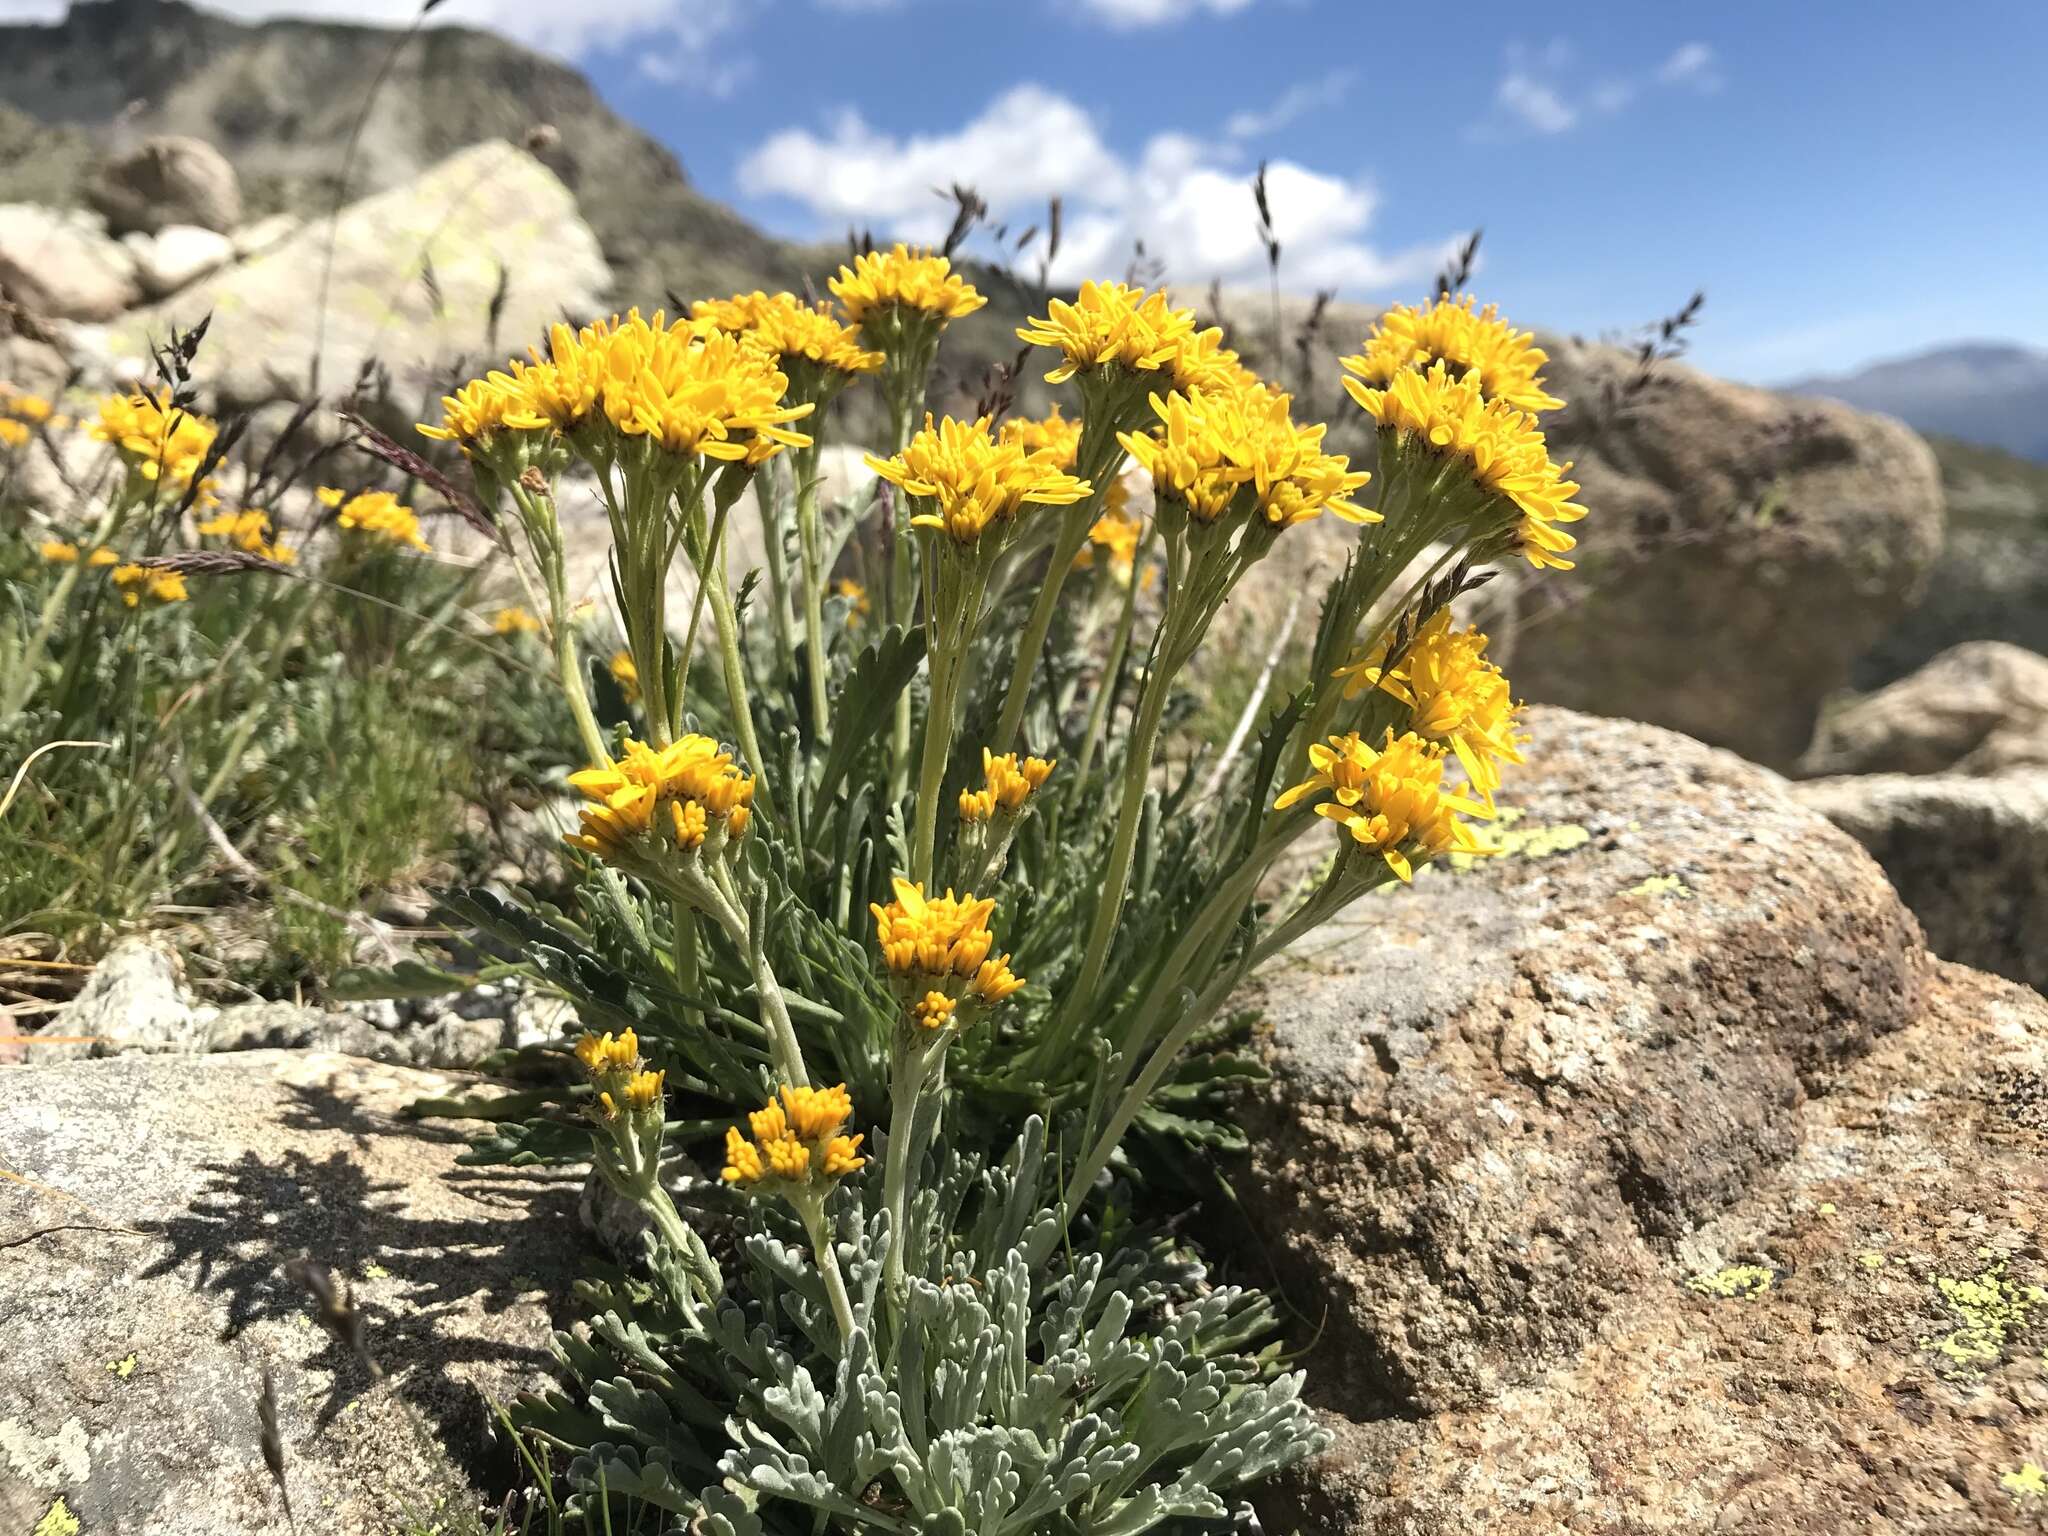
{"x": 1989, "y": 1308}
{"x": 1736, "y": 1280}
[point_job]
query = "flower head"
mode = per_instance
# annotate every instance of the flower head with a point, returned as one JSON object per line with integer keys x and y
{"x": 1210, "y": 445}
{"x": 58, "y": 551}
{"x": 1007, "y": 782}
{"x": 797, "y": 334}
{"x": 137, "y": 581}
{"x": 514, "y": 620}
{"x": 903, "y": 279}
{"x": 382, "y": 516}
{"x": 972, "y": 480}
{"x": 1054, "y": 439}
{"x": 607, "y": 1053}
{"x": 1503, "y": 361}
{"x": 1117, "y": 533}
{"x": 797, "y": 1137}
{"x": 857, "y": 605}
{"x": 1457, "y": 698}
{"x": 1390, "y": 800}
{"x": 626, "y": 674}
{"x": 1111, "y": 325}
{"x": 250, "y": 530}
{"x": 639, "y": 1094}
{"x": 940, "y": 942}
{"x": 1500, "y": 445}
{"x": 674, "y": 795}
{"x": 162, "y": 441}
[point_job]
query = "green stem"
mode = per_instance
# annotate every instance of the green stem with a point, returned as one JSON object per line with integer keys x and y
{"x": 811, "y": 1211}
{"x": 768, "y": 505}
{"x": 906, "y": 1082}
{"x": 811, "y": 551}
{"x": 736, "y": 682}
{"x": 1119, "y": 645}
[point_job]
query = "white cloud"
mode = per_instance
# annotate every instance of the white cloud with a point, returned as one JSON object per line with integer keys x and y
{"x": 1540, "y": 92}
{"x": 1188, "y": 200}
{"x": 1692, "y": 64}
{"x": 676, "y": 35}
{"x": 1297, "y": 101}
{"x": 1152, "y": 13}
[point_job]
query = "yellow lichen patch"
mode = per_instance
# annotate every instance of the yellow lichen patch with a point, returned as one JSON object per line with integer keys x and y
{"x": 1870, "y": 1259}
{"x": 123, "y": 1367}
{"x": 1529, "y": 842}
{"x": 1661, "y": 885}
{"x": 1989, "y": 1309}
{"x": 1736, "y": 1280}
{"x": 58, "y": 1521}
{"x": 2029, "y": 1481}
{"x": 374, "y": 1271}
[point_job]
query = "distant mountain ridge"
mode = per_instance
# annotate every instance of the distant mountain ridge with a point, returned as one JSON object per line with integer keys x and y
{"x": 1981, "y": 392}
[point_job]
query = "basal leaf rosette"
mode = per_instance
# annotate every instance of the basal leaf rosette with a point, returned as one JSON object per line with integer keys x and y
{"x": 1455, "y": 696}
{"x": 1504, "y": 362}
{"x": 1391, "y": 801}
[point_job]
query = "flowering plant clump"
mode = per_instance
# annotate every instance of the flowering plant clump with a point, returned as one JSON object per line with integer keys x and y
{"x": 905, "y": 978}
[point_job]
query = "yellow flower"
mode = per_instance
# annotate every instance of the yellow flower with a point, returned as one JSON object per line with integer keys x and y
{"x": 1392, "y": 801}
{"x": 942, "y": 940}
{"x": 1055, "y": 439}
{"x": 248, "y": 530}
{"x": 162, "y": 441}
{"x": 1007, "y": 782}
{"x": 679, "y": 788}
{"x": 382, "y": 514}
{"x": 1117, "y": 534}
{"x": 103, "y": 556}
{"x": 13, "y": 433}
{"x": 1455, "y": 695}
{"x": 1111, "y": 325}
{"x": 934, "y": 1010}
{"x": 856, "y": 595}
{"x": 797, "y": 333}
{"x": 601, "y": 1054}
{"x": 23, "y": 407}
{"x": 514, "y": 621}
{"x": 330, "y": 496}
{"x": 972, "y": 479}
{"x": 643, "y": 1090}
{"x": 903, "y": 278}
{"x": 1500, "y": 445}
{"x": 1209, "y": 446}
{"x": 791, "y": 1135}
{"x": 626, "y": 675}
{"x": 58, "y": 551}
{"x": 134, "y": 581}
{"x": 1504, "y": 361}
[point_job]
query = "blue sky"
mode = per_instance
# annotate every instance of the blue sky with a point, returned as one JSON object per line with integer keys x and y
{"x": 1846, "y": 181}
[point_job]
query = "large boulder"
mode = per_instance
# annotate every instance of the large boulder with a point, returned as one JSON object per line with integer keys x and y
{"x": 166, "y": 180}
{"x": 62, "y": 265}
{"x": 457, "y": 269}
{"x": 142, "y": 1256}
{"x": 1742, "y": 550}
{"x": 1855, "y": 1344}
{"x": 1504, "y": 1099}
{"x": 1968, "y": 855}
{"x": 1979, "y": 708}
{"x": 176, "y": 255}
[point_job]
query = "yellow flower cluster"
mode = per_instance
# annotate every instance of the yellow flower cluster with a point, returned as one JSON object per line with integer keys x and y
{"x": 1213, "y": 443}
{"x": 1500, "y": 445}
{"x": 711, "y": 396}
{"x": 614, "y": 1062}
{"x": 249, "y": 530}
{"x": 63, "y": 552}
{"x": 1007, "y": 782}
{"x": 943, "y": 939}
{"x": 906, "y": 279}
{"x": 1504, "y": 362}
{"x": 675, "y": 793}
{"x": 1054, "y": 438}
{"x": 1456, "y": 696}
{"x": 161, "y": 441}
{"x": 626, "y": 674}
{"x": 20, "y": 415}
{"x": 1117, "y": 533}
{"x": 138, "y": 581}
{"x": 797, "y": 1137}
{"x": 856, "y": 595}
{"x": 1111, "y": 325}
{"x": 378, "y": 513}
{"x": 973, "y": 478}
{"x": 785, "y": 327}
{"x": 1391, "y": 800}
{"x": 514, "y": 621}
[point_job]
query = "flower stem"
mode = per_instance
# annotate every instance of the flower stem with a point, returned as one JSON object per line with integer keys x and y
{"x": 811, "y": 551}
{"x": 812, "y": 1213}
